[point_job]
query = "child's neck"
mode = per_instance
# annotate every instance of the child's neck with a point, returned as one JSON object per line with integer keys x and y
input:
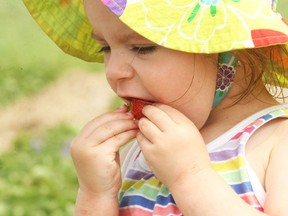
{"x": 226, "y": 115}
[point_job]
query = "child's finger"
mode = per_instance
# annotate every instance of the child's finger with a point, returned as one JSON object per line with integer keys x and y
{"x": 149, "y": 129}
{"x": 160, "y": 118}
{"x": 143, "y": 142}
{"x": 173, "y": 113}
{"x": 119, "y": 140}
{"x": 102, "y": 119}
{"x": 109, "y": 130}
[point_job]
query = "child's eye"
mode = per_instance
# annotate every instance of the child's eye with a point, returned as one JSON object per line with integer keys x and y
{"x": 144, "y": 50}
{"x": 139, "y": 50}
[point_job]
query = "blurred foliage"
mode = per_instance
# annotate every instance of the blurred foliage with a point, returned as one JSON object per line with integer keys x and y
{"x": 37, "y": 177}
{"x": 29, "y": 59}
{"x": 282, "y": 7}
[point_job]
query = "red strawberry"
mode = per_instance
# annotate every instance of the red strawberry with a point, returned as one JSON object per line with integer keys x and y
{"x": 137, "y": 106}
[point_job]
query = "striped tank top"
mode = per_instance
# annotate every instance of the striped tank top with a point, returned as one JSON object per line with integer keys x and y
{"x": 142, "y": 194}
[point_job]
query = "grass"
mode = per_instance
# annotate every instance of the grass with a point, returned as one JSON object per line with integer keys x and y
{"x": 37, "y": 177}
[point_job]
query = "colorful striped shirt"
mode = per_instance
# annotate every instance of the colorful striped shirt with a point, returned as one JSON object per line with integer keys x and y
{"x": 143, "y": 194}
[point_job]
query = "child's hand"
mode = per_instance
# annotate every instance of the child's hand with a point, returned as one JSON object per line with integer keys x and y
{"x": 171, "y": 144}
{"x": 95, "y": 152}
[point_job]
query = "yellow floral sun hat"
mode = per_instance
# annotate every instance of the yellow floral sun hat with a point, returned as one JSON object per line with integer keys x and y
{"x": 197, "y": 26}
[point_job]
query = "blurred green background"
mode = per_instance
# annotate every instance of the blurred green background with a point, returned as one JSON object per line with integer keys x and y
{"x": 29, "y": 60}
{"x": 36, "y": 175}
{"x": 283, "y": 8}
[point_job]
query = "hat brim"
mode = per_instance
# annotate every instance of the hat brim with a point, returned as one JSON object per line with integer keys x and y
{"x": 65, "y": 22}
{"x": 205, "y": 28}
{"x": 181, "y": 25}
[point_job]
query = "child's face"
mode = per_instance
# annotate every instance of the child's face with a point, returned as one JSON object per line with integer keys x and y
{"x": 137, "y": 68}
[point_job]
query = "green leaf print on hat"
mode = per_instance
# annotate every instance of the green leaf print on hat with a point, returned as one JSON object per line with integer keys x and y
{"x": 206, "y": 3}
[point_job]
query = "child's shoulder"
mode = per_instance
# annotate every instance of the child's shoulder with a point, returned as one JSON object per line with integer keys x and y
{"x": 266, "y": 147}
{"x": 272, "y": 134}
{"x": 278, "y": 137}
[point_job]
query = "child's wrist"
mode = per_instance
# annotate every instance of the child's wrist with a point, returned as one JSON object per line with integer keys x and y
{"x": 97, "y": 196}
{"x": 89, "y": 203}
{"x": 184, "y": 181}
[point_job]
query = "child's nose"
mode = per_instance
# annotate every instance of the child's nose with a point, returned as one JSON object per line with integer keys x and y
{"x": 119, "y": 68}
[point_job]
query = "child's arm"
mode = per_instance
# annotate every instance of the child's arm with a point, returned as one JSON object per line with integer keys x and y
{"x": 276, "y": 180}
{"x": 207, "y": 192}
{"x": 95, "y": 153}
{"x": 169, "y": 141}
{"x": 92, "y": 204}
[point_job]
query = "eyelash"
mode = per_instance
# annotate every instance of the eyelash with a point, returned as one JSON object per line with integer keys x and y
{"x": 144, "y": 50}
{"x": 139, "y": 50}
{"x": 104, "y": 49}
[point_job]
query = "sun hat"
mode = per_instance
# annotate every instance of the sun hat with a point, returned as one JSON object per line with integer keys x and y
{"x": 196, "y": 26}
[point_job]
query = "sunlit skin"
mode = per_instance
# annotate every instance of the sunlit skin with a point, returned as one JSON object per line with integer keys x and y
{"x": 182, "y": 87}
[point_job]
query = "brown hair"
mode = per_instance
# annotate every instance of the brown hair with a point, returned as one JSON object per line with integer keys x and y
{"x": 264, "y": 65}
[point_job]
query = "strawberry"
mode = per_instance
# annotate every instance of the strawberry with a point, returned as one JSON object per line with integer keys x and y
{"x": 136, "y": 107}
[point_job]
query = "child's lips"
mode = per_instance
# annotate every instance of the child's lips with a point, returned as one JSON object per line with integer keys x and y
{"x": 129, "y": 100}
